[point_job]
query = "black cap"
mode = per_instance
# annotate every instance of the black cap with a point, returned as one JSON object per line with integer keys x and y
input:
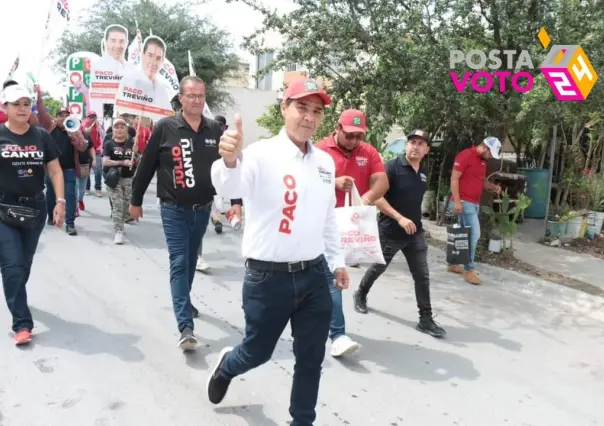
{"x": 221, "y": 119}
{"x": 419, "y": 134}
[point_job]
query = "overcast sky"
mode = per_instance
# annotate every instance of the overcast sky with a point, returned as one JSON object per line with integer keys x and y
{"x": 23, "y": 21}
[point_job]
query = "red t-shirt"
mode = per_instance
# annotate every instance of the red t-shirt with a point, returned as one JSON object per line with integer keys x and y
{"x": 3, "y": 117}
{"x": 473, "y": 170}
{"x": 363, "y": 162}
{"x": 142, "y": 138}
{"x": 94, "y": 135}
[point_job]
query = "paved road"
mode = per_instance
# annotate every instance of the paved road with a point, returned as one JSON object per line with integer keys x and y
{"x": 519, "y": 351}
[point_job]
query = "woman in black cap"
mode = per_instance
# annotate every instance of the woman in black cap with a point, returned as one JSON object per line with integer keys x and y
{"x": 25, "y": 151}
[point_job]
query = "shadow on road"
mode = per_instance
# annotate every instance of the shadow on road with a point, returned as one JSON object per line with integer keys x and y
{"x": 197, "y": 359}
{"x": 85, "y": 339}
{"x": 252, "y": 414}
{"x": 415, "y": 362}
{"x": 459, "y": 336}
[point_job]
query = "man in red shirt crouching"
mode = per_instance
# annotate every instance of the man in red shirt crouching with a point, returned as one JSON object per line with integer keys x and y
{"x": 467, "y": 182}
{"x": 357, "y": 163}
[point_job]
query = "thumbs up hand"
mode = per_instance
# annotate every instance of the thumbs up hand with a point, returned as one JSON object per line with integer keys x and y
{"x": 231, "y": 143}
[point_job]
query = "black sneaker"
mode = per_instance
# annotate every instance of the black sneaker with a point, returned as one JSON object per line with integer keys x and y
{"x": 195, "y": 311}
{"x": 188, "y": 341}
{"x": 70, "y": 229}
{"x": 360, "y": 302}
{"x": 218, "y": 385}
{"x": 218, "y": 227}
{"x": 429, "y": 326}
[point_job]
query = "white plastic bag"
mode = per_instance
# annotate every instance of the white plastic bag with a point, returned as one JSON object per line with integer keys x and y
{"x": 359, "y": 233}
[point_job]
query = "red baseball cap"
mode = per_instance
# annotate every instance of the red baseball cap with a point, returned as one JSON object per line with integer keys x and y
{"x": 303, "y": 87}
{"x": 353, "y": 121}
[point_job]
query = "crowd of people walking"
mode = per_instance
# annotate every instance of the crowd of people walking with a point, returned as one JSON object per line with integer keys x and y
{"x": 295, "y": 270}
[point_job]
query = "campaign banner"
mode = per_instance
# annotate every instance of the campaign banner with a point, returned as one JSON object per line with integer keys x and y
{"x": 62, "y": 7}
{"x": 143, "y": 92}
{"x": 107, "y": 71}
{"x": 78, "y": 77}
{"x": 135, "y": 48}
{"x": 167, "y": 76}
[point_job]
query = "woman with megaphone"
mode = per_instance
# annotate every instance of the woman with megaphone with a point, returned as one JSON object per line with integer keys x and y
{"x": 27, "y": 153}
{"x": 70, "y": 142}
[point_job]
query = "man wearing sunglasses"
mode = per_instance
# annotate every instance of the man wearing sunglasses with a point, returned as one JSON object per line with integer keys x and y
{"x": 357, "y": 163}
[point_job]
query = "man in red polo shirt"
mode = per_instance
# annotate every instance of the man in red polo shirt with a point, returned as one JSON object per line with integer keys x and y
{"x": 467, "y": 183}
{"x": 357, "y": 163}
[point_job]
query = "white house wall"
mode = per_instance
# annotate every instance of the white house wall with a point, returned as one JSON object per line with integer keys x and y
{"x": 250, "y": 104}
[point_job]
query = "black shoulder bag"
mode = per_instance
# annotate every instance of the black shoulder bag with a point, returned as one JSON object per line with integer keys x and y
{"x": 112, "y": 177}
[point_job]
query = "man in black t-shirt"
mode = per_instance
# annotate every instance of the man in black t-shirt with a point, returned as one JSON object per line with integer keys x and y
{"x": 68, "y": 145}
{"x": 400, "y": 228}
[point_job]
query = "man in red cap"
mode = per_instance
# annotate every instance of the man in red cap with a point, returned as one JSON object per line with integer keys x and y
{"x": 290, "y": 241}
{"x": 357, "y": 163}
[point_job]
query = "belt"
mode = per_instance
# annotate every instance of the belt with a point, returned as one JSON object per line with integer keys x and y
{"x": 263, "y": 266}
{"x": 39, "y": 197}
{"x": 194, "y": 207}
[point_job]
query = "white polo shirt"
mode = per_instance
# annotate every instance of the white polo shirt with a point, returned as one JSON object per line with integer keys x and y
{"x": 289, "y": 201}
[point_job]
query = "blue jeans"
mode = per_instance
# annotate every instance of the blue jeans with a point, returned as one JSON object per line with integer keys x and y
{"x": 17, "y": 249}
{"x": 69, "y": 179}
{"x": 338, "y": 323}
{"x": 270, "y": 301}
{"x": 184, "y": 228}
{"x": 98, "y": 172}
{"x": 81, "y": 188}
{"x": 469, "y": 217}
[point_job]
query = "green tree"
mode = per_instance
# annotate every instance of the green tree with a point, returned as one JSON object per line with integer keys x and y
{"x": 53, "y": 105}
{"x": 391, "y": 59}
{"x": 175, "y": 23}
{"x": 272, "y": 120}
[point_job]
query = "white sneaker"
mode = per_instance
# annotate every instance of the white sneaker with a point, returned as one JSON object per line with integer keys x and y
{"x": 342, "y": 346}
{"x": 119, "y": 238}
{"x": 202, "y": 265}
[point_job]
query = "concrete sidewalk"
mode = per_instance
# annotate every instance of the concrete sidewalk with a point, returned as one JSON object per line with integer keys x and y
{"x": 580, "y": 266}
{"x": 519, "y": 350}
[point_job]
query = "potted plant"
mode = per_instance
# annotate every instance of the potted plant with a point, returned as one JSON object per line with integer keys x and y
{"x": 595, "y": 214}
{"x": 576, "y": 224}
{"x": 504, "y": 225}
{"x": 557, "y": 221}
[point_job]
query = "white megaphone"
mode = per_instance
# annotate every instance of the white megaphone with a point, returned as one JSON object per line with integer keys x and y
{"x": 72, "y": 123}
